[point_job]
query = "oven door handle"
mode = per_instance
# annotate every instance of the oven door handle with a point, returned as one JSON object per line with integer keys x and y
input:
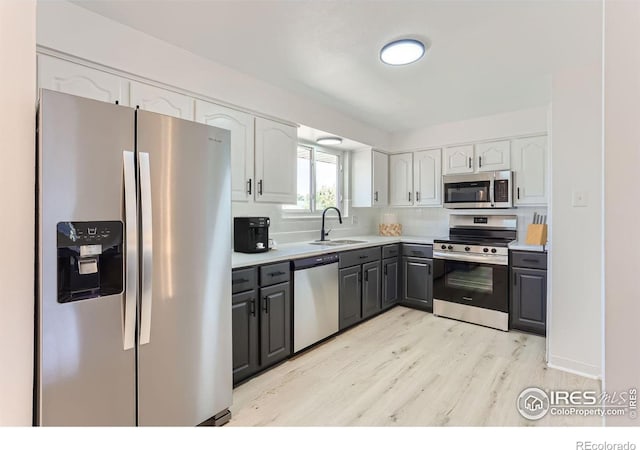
{"x": 497, "y": 260}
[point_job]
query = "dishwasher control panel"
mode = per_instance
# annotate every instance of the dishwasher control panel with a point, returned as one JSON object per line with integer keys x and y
{"x": 313, "y": 261}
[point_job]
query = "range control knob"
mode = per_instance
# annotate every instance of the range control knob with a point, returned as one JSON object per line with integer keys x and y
{"x": 443, "y": 247}
{"x": 486, "y": 250}
{"x": 450, "y": 247}
{"x": 493, "y": 250}
{"x": 467, "y": 249}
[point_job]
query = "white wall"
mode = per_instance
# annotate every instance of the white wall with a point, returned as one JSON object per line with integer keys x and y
{"x": 74, "y": 30}
{"x": 17, "y": 172}
{"x": 526, "y": 121}
{"x": 575, "y": 329}
{"x": 622, "y": 194}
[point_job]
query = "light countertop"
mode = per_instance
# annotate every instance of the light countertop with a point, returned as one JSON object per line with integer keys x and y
{"x": 297, "y": 250}
{"x": 305, "y": 249}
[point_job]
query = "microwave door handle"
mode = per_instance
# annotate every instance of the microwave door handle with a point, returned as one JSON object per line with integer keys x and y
{"x": 492, "y": 186}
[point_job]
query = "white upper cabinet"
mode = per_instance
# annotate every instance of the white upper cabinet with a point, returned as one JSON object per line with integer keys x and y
{"x": 401, "y": 179}
{"x": 458, "y": 159}
{"x": 240, "y": 125}
{"x": 483, "y": 157}
{"x": 63, "y": 76}
{"x": 530, "y": 167}
{"x": 492, "y": 156}
{"x": 155, "y": 99}
{"x": 275, "y": 161}
{"x": 370, "y": 178}
{"x": 427, "y": 177}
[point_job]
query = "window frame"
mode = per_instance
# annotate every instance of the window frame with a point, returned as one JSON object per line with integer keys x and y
{"x": 288, "y": 213}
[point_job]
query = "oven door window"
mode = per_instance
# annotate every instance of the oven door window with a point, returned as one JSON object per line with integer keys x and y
{"x": 472, "y": 192}
{"x": 475, "y": 284}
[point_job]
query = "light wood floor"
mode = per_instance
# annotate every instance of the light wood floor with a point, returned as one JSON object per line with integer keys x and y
{"x": 407, "y": 367}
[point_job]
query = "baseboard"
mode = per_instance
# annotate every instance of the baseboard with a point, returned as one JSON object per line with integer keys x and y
{"x": 575, "y": 367}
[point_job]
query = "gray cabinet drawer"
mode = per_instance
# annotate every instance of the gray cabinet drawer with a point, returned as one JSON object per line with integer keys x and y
{"x": 532, "y": 260}
{"x": 417, "y": 250}
{"x": 244, "y": 279}
{"x": 390, "y": 251}
{"x": 361, "y": 256}
{"x": 274, "y": 274}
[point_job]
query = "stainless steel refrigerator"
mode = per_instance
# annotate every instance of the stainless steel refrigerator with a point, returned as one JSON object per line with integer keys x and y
{"x": 133, "y": 317}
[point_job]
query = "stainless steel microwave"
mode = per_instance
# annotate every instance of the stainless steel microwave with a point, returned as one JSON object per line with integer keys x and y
{"x": 478, "y": 190}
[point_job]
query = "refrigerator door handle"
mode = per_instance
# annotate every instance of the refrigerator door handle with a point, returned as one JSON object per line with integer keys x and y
{"x": 147, "y": 248}
{"x": 131, "y": 278}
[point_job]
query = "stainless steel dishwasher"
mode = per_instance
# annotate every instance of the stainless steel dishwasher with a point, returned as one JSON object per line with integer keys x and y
{"x": 315, "y": 299}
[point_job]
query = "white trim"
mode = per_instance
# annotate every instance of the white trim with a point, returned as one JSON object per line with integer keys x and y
{"x": 575, "y": 367}
{"x": 481, "y": 141}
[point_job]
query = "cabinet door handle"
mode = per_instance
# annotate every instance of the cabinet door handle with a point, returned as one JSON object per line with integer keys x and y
{"x": 249, "y": 190}
{"x": 366, "y": 275}
{"x": 469, "y": 162}
{"x": 417, "y": 196}
{"x": 531, "y": 260}
{"x": 253, "y": 307}
{"x": 276, "y": 274}
{"x": 375, "y": 196}
{"x": 429, "y": 267}
{"x": 362, "y": 256}
{"x": 239, "y": 280}
{"x": 518, "y": 193}
{"x": 385, "y": 270}
{"x": 479, "y": 161}
{"x": 409, "y": 196}
{"x": 266, "y": 304}
{"x": 260, "y": 187}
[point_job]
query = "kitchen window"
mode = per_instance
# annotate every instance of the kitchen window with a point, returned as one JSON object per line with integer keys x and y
{"x": 319, "y": 182}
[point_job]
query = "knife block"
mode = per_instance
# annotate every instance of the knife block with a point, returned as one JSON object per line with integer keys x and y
{"x": 536, "y": 234}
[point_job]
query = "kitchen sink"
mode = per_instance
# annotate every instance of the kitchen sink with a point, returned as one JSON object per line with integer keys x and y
{"x": 337, "y": 242}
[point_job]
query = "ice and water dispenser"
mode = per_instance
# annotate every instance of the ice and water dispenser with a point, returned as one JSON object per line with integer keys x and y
{"x": 90, "y": 260}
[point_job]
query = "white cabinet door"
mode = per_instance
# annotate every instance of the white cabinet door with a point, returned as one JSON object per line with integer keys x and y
{"x": 427, "y": 177}
{"x": 401, "y": 179}
{"x": 493, "y": 156}
{"x": 530, "y": 170}
{"x": 458, "y": 159}
{"x": 154, "y": 99}
{"x": 64, "y": 76}
{"x": 276, "y": 162}
{"x": 380, "y": 179}
{"x": 240, "y": 125}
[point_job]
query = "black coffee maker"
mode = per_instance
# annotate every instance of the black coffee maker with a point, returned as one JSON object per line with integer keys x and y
{"x": 251, "y": 234}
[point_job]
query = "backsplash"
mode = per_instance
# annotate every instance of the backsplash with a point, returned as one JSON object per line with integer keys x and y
{"x": 433, "y": 222}
{"x": 285, "y": 230}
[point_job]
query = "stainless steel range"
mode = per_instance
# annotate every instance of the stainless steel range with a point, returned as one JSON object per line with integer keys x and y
{"x": 471, "y": 272}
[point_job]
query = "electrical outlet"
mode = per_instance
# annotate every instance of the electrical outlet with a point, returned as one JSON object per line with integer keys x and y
{"x": 579, "y": 199}
{"x": 354, "y": 220}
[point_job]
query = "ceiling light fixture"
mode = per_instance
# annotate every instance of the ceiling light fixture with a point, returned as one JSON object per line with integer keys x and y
{"x": 329, "y": 141}
{"x": 401, "y": 52}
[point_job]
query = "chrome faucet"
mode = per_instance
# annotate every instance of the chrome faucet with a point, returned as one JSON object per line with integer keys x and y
{"x": 322, "y": 233}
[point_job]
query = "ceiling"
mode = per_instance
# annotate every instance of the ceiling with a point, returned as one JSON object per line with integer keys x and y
{"x": 484, "y": 57}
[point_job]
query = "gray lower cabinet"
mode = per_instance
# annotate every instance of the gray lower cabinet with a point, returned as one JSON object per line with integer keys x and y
{"x": 350, "y": 292}
{"x": 244, "y": 322}
{"x": 528, "y": 303}
{"x": 371, "y": 288}
{"x": 360, "y": 280}
{"x": 261, "y": 319}
{"x": 390, "y": 282}
{"x": 417, "y": 285}
{"x": 275, "y": 323}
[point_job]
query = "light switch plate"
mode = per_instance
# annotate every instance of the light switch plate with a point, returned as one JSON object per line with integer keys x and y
{"x": 579, "y": 199}
{"x": 354, "y": 220}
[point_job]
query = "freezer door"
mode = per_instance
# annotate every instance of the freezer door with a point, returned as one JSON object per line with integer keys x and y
{"x": 184, "y": 357}
{"x": 85, "y": 356}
